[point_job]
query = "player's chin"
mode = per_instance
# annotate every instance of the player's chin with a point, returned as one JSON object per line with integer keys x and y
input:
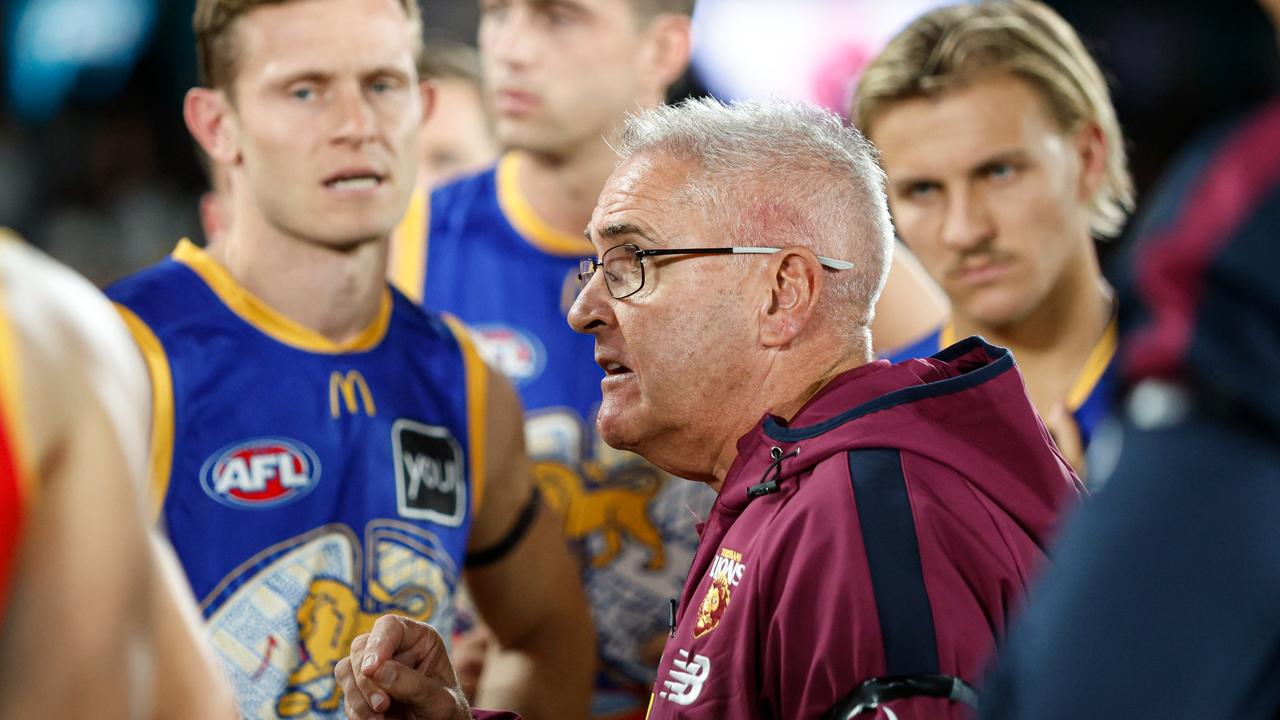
{"x": 618, "y": 424}
{"x": 999, "y": 307}
{"x": 350, "y": 233}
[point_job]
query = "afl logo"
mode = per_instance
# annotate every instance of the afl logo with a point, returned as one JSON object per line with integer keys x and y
{"x": 260, "y": 473}
{"x": 510, "y": 351}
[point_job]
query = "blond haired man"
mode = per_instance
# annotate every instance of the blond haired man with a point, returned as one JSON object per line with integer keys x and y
{"x": 1004, "y": 162}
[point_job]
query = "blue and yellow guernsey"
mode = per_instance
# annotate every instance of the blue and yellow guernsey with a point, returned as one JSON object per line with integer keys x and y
{"x": 1090, "y": 396}
{"x": 308, "y": 487}
{"x": 489, "y": 259}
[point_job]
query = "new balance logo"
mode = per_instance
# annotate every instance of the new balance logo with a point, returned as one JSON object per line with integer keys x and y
{"x": 687, "y": 677}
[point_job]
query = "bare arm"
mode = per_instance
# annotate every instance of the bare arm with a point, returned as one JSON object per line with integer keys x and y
{"x": 98, "y": 626}
{"x": 911, "y": 306}
{"x": 189, "y": 682}
{"x": 75, "y": 634}
{"x": 532, "y": 597}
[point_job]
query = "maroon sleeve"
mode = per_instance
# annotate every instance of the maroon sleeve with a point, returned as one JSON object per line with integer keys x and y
{"x": 493, "y": 715}
{"x": 818, "y": 626}
{"x": 823, "y": 631}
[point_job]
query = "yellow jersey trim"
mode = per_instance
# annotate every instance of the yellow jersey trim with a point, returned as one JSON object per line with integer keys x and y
{"x": 1094, "y": 367}
{"x": 270, "y": 322}
{"x": 11, "y": 402}
{"x": 407, "y": 269}
{"x": 515, "y": 206}
{"x": 162, "y": 412}
{"x": 947, "y": 335}
{"x": 477, "y": 392}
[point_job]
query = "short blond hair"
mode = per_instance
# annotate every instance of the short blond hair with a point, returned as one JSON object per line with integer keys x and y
{"x": 953, "y": 46}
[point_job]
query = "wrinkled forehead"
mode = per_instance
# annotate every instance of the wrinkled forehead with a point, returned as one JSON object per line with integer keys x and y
{"x": 643, "y": 202}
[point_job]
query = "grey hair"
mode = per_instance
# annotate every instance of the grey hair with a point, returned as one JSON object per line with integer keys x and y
{"x": 782, "y": 173}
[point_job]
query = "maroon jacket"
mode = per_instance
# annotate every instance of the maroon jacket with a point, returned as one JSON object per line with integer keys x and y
{"x": 911, "y": 508}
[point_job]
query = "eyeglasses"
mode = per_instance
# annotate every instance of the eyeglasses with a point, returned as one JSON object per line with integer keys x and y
{"x": 624, "y": 265}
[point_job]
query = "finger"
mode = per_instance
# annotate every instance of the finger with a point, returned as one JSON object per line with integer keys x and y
{"x": 371, "y": 690}
{"x": 408, "y": 641}
{"x": 359, "y": 642}
{"x": 358, "y": 685}
{"x": 354, "y": 702}
{"x": 423, "y": 695}
{"x": 387, "y": 637}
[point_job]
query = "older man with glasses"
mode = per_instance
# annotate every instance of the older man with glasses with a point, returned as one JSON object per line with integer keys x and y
{"x": 876, "y": 523}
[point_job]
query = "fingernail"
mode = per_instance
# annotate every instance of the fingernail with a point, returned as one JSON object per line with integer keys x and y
{"x": 387, "y": 674}
{"x": 375, "y": 700}
{"x": 368, "y": 662}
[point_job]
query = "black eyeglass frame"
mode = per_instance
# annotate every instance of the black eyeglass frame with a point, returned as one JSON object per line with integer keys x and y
{"x": 588, "y": 266}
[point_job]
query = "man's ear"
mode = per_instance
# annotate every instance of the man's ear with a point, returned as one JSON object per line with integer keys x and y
{"x": 668, "y": 49}
{"x": 794, "y": 285}
{"x": 427, "y": 89}
{"x": 1091, "y": 146}
{"x": 208, "y": 116}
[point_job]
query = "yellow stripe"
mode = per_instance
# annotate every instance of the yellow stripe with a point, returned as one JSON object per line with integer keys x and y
{"x": 477, "y": 372}
{"x": 11, "y": 401}
{"x": 161, "y": 407}
{"x": 408, "y": 265}
{"x": 526, "y": 221}
{"x": 261, "y": 316}
{"x": 947, "y": 337}
{"x": 1094, "y": 367}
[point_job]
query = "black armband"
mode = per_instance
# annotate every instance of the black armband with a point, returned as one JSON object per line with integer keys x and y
{"x": 499, "y": 550}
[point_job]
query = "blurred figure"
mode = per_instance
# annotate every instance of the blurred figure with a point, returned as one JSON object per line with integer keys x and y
{"x": 326, "y": 452}
{"x": 97, "y": 622}
{"x": 215, "y": 203}
{"x": 457, "y": 137}
{"x": 1163, "y": 598}
{"x": 1005, "y": 161}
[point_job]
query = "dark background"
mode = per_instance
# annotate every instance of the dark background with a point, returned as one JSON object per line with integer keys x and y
{"x": 106, "y": 180}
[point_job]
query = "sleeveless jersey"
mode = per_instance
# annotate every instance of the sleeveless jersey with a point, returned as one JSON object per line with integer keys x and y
{"x": 1090, "y": 397}
{"x": 308, "y": 487}
{"x": 490, "y": 260}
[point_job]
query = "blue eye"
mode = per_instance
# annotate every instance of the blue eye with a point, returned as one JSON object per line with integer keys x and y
{"x": 302, "y": 93}
{"x": 921, "y": 190}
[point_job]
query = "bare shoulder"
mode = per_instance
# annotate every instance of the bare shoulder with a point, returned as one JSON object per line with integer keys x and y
{"x": 72, "y": 348}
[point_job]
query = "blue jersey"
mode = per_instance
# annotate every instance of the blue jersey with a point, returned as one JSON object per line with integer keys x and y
{"x": 1090, "y": 395}
{"x": 495, "y": 264}
{"x": 307, "y": 487}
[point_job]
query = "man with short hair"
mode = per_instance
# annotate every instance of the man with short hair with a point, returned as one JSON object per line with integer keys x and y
{"x": 1005, "y": 161}
{"x": 325, "y": 451}
{"x": 500, "y": 250}
{"x": 457, "y": 137}
{"x": 872, "y": 520}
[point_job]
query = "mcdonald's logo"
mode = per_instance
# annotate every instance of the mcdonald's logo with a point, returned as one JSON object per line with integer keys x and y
{"x": 346, "y": 386}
